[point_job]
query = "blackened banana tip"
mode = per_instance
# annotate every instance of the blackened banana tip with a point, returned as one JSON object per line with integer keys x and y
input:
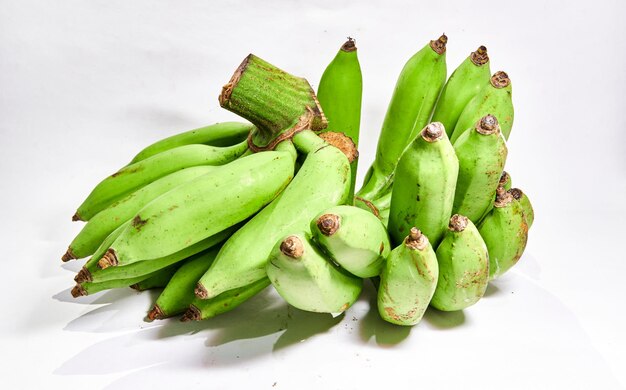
{"x": 68, "y": 255}
{"x": 500, "y": 79}
{"x": 349, "y": 45}
{"x": 480, "y": 56}
{"x": 439, "y": 46}
{"x": 329, "y": 224}
{"x": 292, "y": 247}
{"x": 76, "y": 217}
{"x": 200, "y": 291}
{"x": 458, "y": 223}
{"x": 78, "y": 291}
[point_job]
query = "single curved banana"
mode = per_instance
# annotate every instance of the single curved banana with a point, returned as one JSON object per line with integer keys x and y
{"x": 145, "y": 267}
{"x": 524, "y": 201}
{"x": 505, "y": 233}
{"x": 134, "y": 176}
{"x": 494, "y": 98}
{"x": 89, "y": 288}
{"x": 339, "y": 94}
{"x": 464, "y": 83}
{"x": 309, "y": 281}
{"x": 159, "y": 279}
{"x": 202, "y": 309}
{"x": 201, "y": 208}
{"x": 323, "y": 181}
{"x": 353, "y": 238}
{"x": 91, "y": 266}
{"x": 424, "y": 185}
{"x": 109, "y": 219}
{"x": 219, "y": 134}
{"x": 408, "y": 280}
{"x": 411, "y": 106}
{"x": 178, "y": 294}
{"x": 463, "y": 266}
{"x": 482, "y": 153}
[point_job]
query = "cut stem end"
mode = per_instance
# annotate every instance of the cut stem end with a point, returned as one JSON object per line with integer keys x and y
{"x": 292, "y": 247}
{"x": 416, "y": 240}
{"x": 458, "y": 223}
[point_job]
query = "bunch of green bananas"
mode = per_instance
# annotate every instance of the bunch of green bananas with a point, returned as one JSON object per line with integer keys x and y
{"x": 217, "y": 214}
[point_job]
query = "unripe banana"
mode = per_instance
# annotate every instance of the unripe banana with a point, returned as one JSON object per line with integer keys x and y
{"x": 159, "y": 279}
{"x": 424, "y": 185}
{"x": 464, "y": 83}
{"x": 505, "y": 181}
{"x": 307, "y": 280}
{"x": 482, "y": 153}
{"x": 201, "y": 208}
{"x": 219, "y": 134}
{"x": 178, "y": 294}
{"x": 323, "y": 181}
{"x": 202, "y": 309}
{"x": 89, "y": 288}
{"x": 463, "y": 266}
{"x": 354, "y": 238}
{"x": 522, "y": 198}
{"x": 339, "y": 94}
{"x": 494, "y": 98}
{"x": 134, "y": 176}
{"x": 144, "y": 267}
{"x": 505, "y": 233}
{"x": 411, "y": 106}
{"x": 109, "y": 219}
{"x": 91, "y": 266}
{"x": 408, "y": 281}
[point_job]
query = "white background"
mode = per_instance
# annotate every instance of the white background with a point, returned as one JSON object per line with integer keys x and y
{"x": 86, "y": 84}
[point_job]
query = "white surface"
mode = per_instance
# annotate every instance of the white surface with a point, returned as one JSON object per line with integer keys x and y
{"x": 84, "y": 85}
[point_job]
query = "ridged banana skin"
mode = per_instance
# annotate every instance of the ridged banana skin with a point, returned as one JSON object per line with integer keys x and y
{"x": 407, "y": 284}
{"x": 312, "y": 282}
{"x": 464, "y": 83}
{"x": 226, "y": 301}
{"x": 340, "y": 93}
{"x": 109, "y": 219}
{"x": 141, "y": 268}
{"x": 423, "y": 189}
{"x": 481, "y": 161}
{"x": 218, "y": 134}
{"x": 411, "y": 106}
{"x": 204, "y": 206}
{"x": 359, "y": 244}
{"x": 323, "y": 181}
{"x": 490, "y": 100}
{"x": 178, "y": 294}
{"x": 463, "y": 270}
{"x": 505, "y": 233}
{"x": 89, "y": 288}
{"x": 134, "y": 176}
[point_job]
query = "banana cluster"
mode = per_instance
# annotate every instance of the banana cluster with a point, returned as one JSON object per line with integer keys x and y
{"x": 217, "y": 214}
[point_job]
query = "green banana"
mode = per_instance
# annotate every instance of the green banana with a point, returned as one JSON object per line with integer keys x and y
{"x": 307, "y": 280}
{"x": 202, "y": 207}
{"x": 384, "y": 216}
{"x": 505, "y": 180}
{"x": 159, "y": 279}
{"x": 89, "y": 288}
{"x": 408, "y": 280}
{"x": 463, "y": 266}
{"x": 411, "y": 106}
{"x": 353, "y": 238}
{"x": 178, "y": 294}
{"x": 505, "y": 233}
{"x": 522, "y": 198}
{"x": 339, "y": 94}
{"x": 323, "y": 181}
{"x": 91, "y": 266}
{"x": 134, "y": 176}
{"x": 145, "y": 267}
{"x": 464, "y": 83}
{"x": 494, "y": 98}
{"x": 202, "y": 309}
{"x": 219, "y": 134}
{"x": 482, "y": 153}
{"x": 424, "y": 184}
{"x": 107, "y": 220}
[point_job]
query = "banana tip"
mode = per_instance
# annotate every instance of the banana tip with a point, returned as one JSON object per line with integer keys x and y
{"x": 108, "y": 260}
{"x": 192, "y": 314}
{"x": 155, "y": 314}
{"x": 200, "y": 291}
{"x": 439, "y": 45}
{"x": 76, "y": 217}
{"x": 458, "y": 223}
{"x": 480, "y": 56}
{"x": 68, "y": 255}
{"x": 416, "y": 240}
{"x": 349, "y": 45}
{"x": 78, "y": 291}
{"x": 500, "y": 79}
{"x": 329, "y": 224}
{"x": 292, "y": 247}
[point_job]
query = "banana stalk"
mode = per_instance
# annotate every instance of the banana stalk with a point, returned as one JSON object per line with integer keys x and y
{"x": 353, "y": 238}
{"x": 464, "y": 83}
{"x": 134, "y": 176}
{"x": 339, "y": 94}
{"x": 494, "y": 98}
{"x": 424, "y": 185}
{"x": 323, "y": 181}
{"x": 411, "y": 106}
{"x": 408, "y": 280}
{"x": 201, "y": 208}
{"x": 309, "y": 281}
